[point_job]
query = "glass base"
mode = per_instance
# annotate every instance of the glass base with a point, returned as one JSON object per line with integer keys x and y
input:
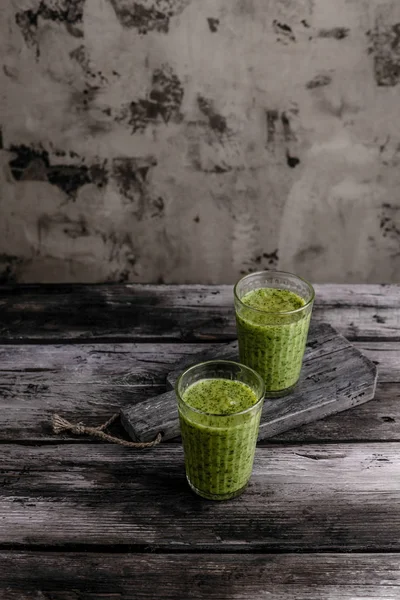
{"x": 280, "y": 393}
{"x": 210, "y": 496}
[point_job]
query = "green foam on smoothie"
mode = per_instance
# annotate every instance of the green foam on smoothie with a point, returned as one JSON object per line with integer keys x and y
{"x": 273, "y": 300}
{"x": 220, "y": 396}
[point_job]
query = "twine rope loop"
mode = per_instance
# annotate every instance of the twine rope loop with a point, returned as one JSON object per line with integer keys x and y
{"x": 61, "y": 425}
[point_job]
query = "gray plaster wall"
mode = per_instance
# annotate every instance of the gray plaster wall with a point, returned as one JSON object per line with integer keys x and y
{"x": 197, "y": 140}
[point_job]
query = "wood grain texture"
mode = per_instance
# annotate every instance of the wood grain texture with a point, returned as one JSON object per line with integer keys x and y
{"x": 186, "y": 312}
{"x": 89, "y": 382}
{"x": 95, "y": 364}
{"x": 27, "y": 411}
{"x": 27, "y": 408}
{"x": 137, "y": 364}
{"x": 82, "y": 576}
{"x": 340, "y": 497}
{"x": 335, "y": 377}
{"x": 376, "y": 420}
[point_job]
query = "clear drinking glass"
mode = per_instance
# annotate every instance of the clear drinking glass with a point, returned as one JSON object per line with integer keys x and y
{"x": 272, "y": 342}
{"x": 219, "y": 448}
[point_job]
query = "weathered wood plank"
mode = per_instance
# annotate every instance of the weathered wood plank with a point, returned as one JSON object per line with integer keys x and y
{"x": 335, "y": 377}
{"x": 340, "y": 497}
{"x": 105, "y": 364}
{"x": 189, "y": 312}
{"x": 218, "y": 577}
{"x": 133, "y": 364}
{"x": 116, "y": 364}
{"x": 26, "y": 409}
{"x": 88, "y": 382}
{"x": 376, "y": 420}
{"x": 26, "y": 413}
{"x": 386, "y": 356}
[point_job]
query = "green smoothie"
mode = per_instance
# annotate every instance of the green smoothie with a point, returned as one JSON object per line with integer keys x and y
{"x": 219, "y": 444}
{"x": 272, "y": 337}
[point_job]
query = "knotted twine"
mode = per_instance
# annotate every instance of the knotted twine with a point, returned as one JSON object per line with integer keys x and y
{"x": 60, "y": 425}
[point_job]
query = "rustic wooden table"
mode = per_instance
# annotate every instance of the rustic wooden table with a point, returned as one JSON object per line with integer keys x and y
{"x": 83, "y": 520}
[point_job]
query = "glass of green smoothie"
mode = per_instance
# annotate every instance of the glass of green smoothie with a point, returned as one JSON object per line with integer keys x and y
{"x": 273, "y": 311}
{"x": 219, "y": 405}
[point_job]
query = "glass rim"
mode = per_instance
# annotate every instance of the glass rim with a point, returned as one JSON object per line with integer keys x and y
{"x": 223, "y": 362}
{"x": 271, "y": 312}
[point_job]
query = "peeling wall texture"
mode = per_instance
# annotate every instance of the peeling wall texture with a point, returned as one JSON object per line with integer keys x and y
{"x": 197, "y": 140}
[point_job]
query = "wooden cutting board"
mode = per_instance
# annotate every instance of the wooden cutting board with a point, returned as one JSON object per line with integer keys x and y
{"x": 335, "y": 376}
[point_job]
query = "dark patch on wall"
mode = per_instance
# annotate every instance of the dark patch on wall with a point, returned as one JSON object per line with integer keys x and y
{"x": 158, "y": 206}
{"x": 216, "y": 121}
{"x": 272, "y": 117}
{"x": 69, "y": 178}
{"x": 123, "y": 276}
{"x": 147, "y": 16}
{"x": 283, "y": 31}
{"x": 318, "y": 81}
{"x": 29, "y": 164}
{"x": 120, "y": 276}
{"x": 271, "y": 257}
{"x": 75, "y": 229}
{"x": 33, "y": 164}
{"x": 80, "y": 56}
{"x": 131, "y": 176}
{"x": 9, "y": 72}
{"x": 8, "y": 268}
{"x": 288, "y": 134}
{"x": 218, "y": 169}
{"x": 82, "y": 99}
{"x": 140, "y": 17}
{"x": 98, "y": 174}
{"x": 72, "y": 228}
{"x": 280, "y": 132}
{"x": 213, "y": 24}
{"x": 222, "y": 154}
{"x": 164, "y": 100}
{"x": 385, "y": 47}
{"x": 68, "y": 12}
{"x": 262, "y": 261}
{"x": 292, "y": 161}
{"x": 27, "y": 22}
{"x": 390, "y": 222}
{"x": 305, "y": 23}
{"x": 196, "y": 219}
{"x": 122, "y": 250}
{"x": 337, "y": 33}
{"x": 383, "y": 146}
